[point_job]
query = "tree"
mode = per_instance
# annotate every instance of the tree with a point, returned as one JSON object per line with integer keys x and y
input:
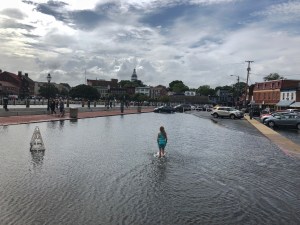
{"x": 48, "y": 91}
{"x": 164, "y": 99}
{"x": 205, "y": 90}
{"x": 128, "y": 83}
{"x": 125, "y": 83}
{"x": 64, "y": 92}
{"x": 138, "y": 97}
{"x": 239, "y": 89}
{"x": 273, "y": 76}
{"x": 178, "y": 86}
{"x": 84, "y": 91}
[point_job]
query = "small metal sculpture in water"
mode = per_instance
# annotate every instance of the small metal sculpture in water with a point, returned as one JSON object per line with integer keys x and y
{"x": 36, "y": 143}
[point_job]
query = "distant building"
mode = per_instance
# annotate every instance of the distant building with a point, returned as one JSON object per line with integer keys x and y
{"x": 158, "y": 91}
{"x": 60, "y": 87}
{"x": 276, "y": 93}
{"x": 134, "y": 76}
{"x": 103, "y": 86}
{"x": 17, "y": 85}
{"x": 224, "y": 97}
{"x": 190, "y": 93}
{"x": 143, "y": 90}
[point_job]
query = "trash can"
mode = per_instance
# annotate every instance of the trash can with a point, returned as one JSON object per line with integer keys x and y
{"x": 73, "y": 113}
{"x": 139, "y": 109}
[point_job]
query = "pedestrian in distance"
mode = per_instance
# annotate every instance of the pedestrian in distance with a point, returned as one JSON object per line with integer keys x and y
{"x": 5, "y": 103}
{"x": 52, "y": 107}
{"x": 162, "y": 140}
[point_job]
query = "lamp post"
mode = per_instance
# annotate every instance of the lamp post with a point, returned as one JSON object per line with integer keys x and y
{"x": 48, "y": 79}
{"x": 238, "y": 87}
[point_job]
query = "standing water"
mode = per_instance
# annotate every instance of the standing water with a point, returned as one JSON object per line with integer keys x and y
{"x": 102, "y": 171}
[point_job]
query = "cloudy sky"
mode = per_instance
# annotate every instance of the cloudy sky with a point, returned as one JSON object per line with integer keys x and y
{"x": 201, "y": 42}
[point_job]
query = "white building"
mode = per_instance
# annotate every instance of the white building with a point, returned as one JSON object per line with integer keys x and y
{"x": 142, "y": 90}
{"x": 190, "y": 93}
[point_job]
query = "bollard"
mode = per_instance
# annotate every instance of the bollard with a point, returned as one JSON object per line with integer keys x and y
{"x": 27, "y": 103}
{"x": 139, "y": 109}
{"x": 74, "y": 113}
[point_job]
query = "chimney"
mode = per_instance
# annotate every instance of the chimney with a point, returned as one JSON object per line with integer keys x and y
{"x": 0, "y": 71}
{"x": 26, "y": 74}
{"x": 19, "y": 73}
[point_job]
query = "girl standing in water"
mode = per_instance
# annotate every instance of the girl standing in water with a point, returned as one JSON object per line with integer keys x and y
{"x": 162, "y": 140}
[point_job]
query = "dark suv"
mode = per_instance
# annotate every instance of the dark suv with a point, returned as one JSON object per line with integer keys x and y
{"x": 183, "y": 108}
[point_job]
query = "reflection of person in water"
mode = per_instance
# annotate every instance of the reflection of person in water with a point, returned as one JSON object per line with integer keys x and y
{"x": 162, "y": 140}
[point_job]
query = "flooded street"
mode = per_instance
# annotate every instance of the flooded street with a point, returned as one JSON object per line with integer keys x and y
{"x": 102, "y": 171}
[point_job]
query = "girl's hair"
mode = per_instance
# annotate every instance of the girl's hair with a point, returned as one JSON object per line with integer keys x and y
{"x": 162, "y": 130}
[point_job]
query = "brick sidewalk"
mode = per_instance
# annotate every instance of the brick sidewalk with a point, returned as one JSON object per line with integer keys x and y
{"x": 14, "y": 120}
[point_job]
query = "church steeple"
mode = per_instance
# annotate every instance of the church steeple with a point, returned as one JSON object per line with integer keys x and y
{"x": 134, "y": 76}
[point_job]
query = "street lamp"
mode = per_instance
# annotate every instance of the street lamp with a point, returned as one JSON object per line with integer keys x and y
{"x": 48, "y": 79}
{"x": 238, "y": 87}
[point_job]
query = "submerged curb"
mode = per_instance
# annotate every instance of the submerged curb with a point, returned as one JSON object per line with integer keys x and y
{"x": 16, "y": 120}
{"x": 283, "y": 143}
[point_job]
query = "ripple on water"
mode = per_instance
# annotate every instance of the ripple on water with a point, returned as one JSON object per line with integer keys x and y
{"x": 104, "y": 172}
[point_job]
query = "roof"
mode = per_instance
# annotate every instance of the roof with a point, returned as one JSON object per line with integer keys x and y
{"x": 8, "y": 84}
{"x": 284, "y": 103}
{"x": 295, "y": 105}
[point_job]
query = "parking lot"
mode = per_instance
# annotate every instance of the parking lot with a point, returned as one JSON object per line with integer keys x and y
{"x": 244, "y": 126}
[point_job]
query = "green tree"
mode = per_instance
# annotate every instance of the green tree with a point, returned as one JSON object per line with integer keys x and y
{"x": 239, "y": 89}
{"x": 125, "y": 83}
{"x": 128, "y": 83}
{"x": 84, "y": 91}
{"x": 178, "y": 86}
{"x": 273, "y": 76}
{"x": 48, "y": 91}
{"x": 164, "y": 99}
{"x": 205, "y": 90}
{"x": 64, "y": 92}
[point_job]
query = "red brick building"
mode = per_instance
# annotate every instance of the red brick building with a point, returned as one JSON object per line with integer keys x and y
{"x": 13, "y": 84}
{"x": 276, "y": 93}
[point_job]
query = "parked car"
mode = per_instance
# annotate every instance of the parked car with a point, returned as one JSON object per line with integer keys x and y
{"x": 293, "y": 110}
{"x": 263, "y": 117}
{"x": 164, "y": 109}
{"x": 284, "y": 120}
{"x": 223, "y": 111}
{"x": 183, "y": 108}
{"x": 199, "y": 108}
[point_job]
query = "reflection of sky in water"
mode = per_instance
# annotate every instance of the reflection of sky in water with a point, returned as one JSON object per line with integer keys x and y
{"x": 102, "y": 171}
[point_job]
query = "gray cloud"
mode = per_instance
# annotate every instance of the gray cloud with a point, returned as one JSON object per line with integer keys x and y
{"x": 10, "y": 23}
{"x": 13, "y": 13}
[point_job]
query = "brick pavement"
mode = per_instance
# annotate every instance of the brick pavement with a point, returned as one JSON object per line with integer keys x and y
{"x": 14, "y": 120}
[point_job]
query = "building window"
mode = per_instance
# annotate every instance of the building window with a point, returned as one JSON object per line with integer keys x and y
{"x": 292, "y": 96}
{"x": 283, "y": 96}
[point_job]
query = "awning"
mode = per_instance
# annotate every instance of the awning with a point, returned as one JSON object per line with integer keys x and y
{"x": 284, "y": 103}
{"x": 295, "y": 105}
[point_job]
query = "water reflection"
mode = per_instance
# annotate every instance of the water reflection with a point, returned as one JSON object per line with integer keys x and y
{"x": 159, "y": 170}
{"x": 37, "y": 158}
{"x": 72, "y": 121}
{"x": 61, "y": 124}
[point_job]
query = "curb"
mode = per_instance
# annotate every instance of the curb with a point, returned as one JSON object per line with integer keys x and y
{"x": 282, "y": 142}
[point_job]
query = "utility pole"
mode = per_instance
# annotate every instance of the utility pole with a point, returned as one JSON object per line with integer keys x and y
{"x": 246, "y": 87}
